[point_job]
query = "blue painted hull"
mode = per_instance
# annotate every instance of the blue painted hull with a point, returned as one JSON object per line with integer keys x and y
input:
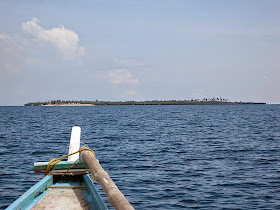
{"x": 31, "y": 197}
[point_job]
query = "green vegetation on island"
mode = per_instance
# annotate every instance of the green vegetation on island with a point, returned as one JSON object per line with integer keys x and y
{"x": 204, "y": 101}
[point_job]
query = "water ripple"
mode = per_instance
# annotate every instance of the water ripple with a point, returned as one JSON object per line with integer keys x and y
{"x": 161, "y": 157}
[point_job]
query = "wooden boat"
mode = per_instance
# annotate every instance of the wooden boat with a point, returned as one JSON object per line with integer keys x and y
{"x": 67, "y": 184}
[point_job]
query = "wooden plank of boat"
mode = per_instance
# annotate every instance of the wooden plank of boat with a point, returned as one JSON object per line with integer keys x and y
{"x": 74, "y": 143}
{"x": 62, "y": 168}
{"x": 83, "y": 195}
{"x": 68, "y": 186}
{"x": 63, "y": 192}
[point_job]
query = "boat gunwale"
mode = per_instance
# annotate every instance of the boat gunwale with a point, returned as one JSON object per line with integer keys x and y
{"x": 33, "y": 194}
{"x": 93, "y": 197}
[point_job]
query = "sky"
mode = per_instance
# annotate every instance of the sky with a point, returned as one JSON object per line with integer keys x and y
{"x": 121, "y": 50}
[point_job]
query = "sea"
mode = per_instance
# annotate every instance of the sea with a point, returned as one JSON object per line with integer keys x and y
{"x": 160, "y": 156}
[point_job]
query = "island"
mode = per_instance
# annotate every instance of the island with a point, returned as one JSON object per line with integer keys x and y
{"x": 205, "y": 101}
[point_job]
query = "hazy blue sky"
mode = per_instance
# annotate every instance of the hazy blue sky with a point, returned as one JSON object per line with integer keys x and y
{"x": 139, "y": 50}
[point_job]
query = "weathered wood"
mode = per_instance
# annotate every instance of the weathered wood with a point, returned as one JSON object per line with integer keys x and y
{"x": 115, "y": 197}
{"x": 74, "y": 143}
{"x": 63, "y": 199}
{"x": 40, "y": 167}
{"x": 70, "y": 172}
{"x": 24, "y": 201}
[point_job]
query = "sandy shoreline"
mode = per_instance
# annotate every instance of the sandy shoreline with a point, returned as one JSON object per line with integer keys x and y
{"x": 68, "y": 105}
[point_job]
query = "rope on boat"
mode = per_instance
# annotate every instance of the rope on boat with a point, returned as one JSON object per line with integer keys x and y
{"x": 70, "y": 167}
{"x": 57, "y": 160}
{"x": 72, "y": 187}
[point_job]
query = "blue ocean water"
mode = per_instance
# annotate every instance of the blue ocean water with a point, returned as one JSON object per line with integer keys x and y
{"x": 160, "y": 157}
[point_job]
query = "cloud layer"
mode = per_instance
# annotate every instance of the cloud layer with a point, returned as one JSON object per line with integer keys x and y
{"x": 11, "y": 50}
{"x": 64, "y": 40}
{"x": 127, "y": 62}
{"x": 122, "y": 76}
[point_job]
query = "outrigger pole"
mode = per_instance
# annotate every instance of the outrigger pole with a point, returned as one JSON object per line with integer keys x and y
{"x": 115, "y": 197}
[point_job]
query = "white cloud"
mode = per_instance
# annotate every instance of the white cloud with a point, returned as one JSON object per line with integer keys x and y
{"x": 65, "y": 41}
{"x": 128, "y": 62}
{"x": 121, "y": 76}
{"x": 4, "y": 36}
{"x": 11, "y": 54}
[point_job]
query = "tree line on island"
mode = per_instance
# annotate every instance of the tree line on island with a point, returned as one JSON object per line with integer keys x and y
{"x": 151, "y": 102}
